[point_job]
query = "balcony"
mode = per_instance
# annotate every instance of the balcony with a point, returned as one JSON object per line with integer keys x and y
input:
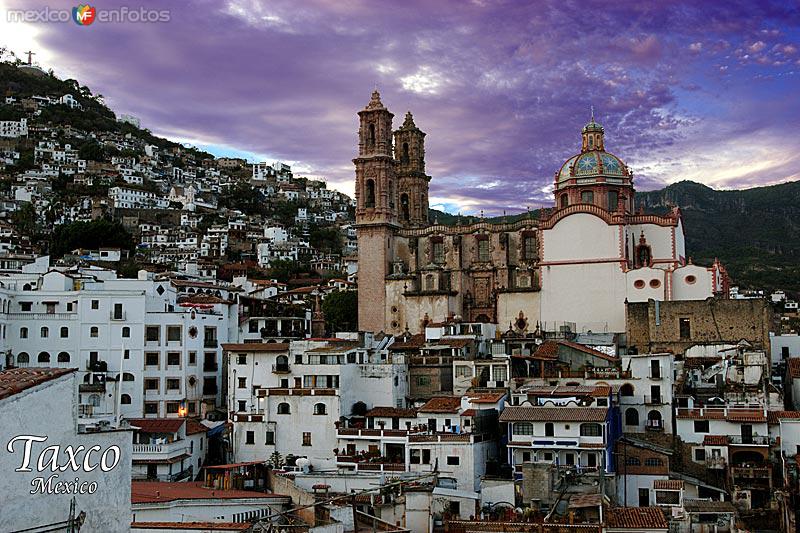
{"x": 371, "y": 434}
{"x": 751, "y": 472}
{"x": 655, "y": 376}
{"x": 752, "y": 440}
{"x": 716, "y": 463}
{"x": 43, "y": 316}
{"x": 281, "y": 369}
{"x": 367, "y": 463}
{"x": 159, "y": 452}
{"x": 653, "y": 400}
{"x": 210, "y": 343}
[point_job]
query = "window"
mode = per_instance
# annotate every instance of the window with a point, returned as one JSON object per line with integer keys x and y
{"x": 241, "y": 359}
{"x": 437, "y": 250}
{"x": 455, "y": 508}
{"x": 423, "y": 381}
{"x": 192, "y": 358}
{"x": 151, "y": 359}
{"x": 483, "y": 251}
{"x": 23, "y": 358}
{"x": 44, "y": 357}
{"x": 173, "y": 334}
{"x": 631, "y": 417}
{"x": 95, "y": 304}
{"x": 453, "y": 460}
{"x": 152, "y": 333}
{"x": 252, "y": 326}
{"x": 118, "y": 314}
{"x": 591, "y": 430}
{"x": 64, "y": 332}
{"x": 633, "y": 461}
{"x": 63, "y": 357}
{"x": 667, "y": 497}
{"x": 284, "y": 409}
{"x": 463, "y": 371}
{"x": 426, "y": 457}
{"x": 701, "y": 426}
{"x": 23, "y": 333}
{"x": 125, "y": 399}
{"x": 587, "y": 197}
{"x": 369, "y": 199}
{"x": 173, "y": 408}
{"x": 151, "y": 408}
{"x": 269, "y": 438}
{"x": 242, "y": 406}
{"x": 126, "y": 332}
{"x": 699, "y": 454}
{"x": 526, "y": 457}
{"x": 242, "y": 383}
{"x": 564, "y": 201}
{"x": 626, "y": 390}
{"x": 523, "y": 428}
{"x": 94, "y": 332}
{"x": 126, "y": 354}
{"x": 250, "y": 437}
{"x": 613, "y": 200}
{"x": 415, "y": 457}
{"x": 529, "y": 247}
{"x": 25, "y": 306}
{"x": 548, "y": 429}
{"x": 127, "y": 376}
{"x": 173, "y": 383}
{"x": 306, "y": 438}
{"x": 174, "y": 359}
{"x": 151, "y": 384}
{"x": 44, "y": 332}
{"x": 320, "y": 409}
{"x": 685, "y": 328}
{"x": 653, "y": 461}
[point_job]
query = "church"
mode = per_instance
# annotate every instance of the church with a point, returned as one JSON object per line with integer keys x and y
{"x": 575, "y": 266}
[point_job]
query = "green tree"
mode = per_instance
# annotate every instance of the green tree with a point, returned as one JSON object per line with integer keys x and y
{"x": 341, "y": 311}
{"x": 90, "y": 235}
{"x": 24, "y": 219}
{"x": 326, "y": 239}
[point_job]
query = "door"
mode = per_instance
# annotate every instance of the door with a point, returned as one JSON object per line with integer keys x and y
{"x": 644, "y": 497}
{"x": 747, "y": 434}
{"x": 152, "y": 471}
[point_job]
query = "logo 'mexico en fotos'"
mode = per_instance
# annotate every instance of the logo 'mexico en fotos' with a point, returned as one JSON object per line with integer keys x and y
{"x": 84, "y": 14}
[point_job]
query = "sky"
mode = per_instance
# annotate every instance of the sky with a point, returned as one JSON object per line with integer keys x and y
{"x": 699, "y": 90}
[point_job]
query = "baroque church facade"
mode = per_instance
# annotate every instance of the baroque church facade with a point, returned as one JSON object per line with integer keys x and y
{"x": 575, "y": 266}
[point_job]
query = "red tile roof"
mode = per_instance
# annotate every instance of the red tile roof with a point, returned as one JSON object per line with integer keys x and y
{"x": 486, "y": 397}
{"x": 256, "y": 347}
{"x": 547, "y": 350}
{"x": 442, "y": 404}
{"x": 191, "y": 526}
{"x": 774, "y": 417}
{"x": 193, "y": 427}
{"x": 553, "y": 414}
{"x": 413, "y": 342}
{"x": 392, "y": 412}
{"x": 16, "y": 380}
{"x": 793, "y": 363}
{"x": 734, "y": 415}
{"x": 159, "y": 491}
{"x": 650, "y": 518}
{"x": 668, "y": 484}
{"x": 158, "y": 425}
{"x": 715, "y": 440}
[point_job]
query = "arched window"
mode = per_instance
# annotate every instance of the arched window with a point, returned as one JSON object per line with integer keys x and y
{"x": 633, "y": 461}
{"x": 44, "y": 357}
{"x": 127, "y": 376}
{"x": 653, "y": 461}
{"x": 523, "y": 428}
{"x": 23, "y": 358}
{"x": 64, "y": 332}
{"x": 44, "y": 332}
{"x": 549, "y": 430}
{"x": 626, "y": 390}
{"x": 284, "y": 409}
{"x": 404, "y": 209}
{"x": 613, "y": 200}
{"x": 371, "y": 138}
{"x": 564, "y": 200}
{"x": 369, "y": 196}
{"x": 631, "y": 417}
{"x": 26, "y": 287}
{"x": 320, "y": 409}
{"x": 23, "y": 333}
{"x": 94, "y": 400}
{"x": 126, "y": 332}
{"x": 405, "y": 156}
{"x": 591, "y": 430}
{"x": 63, "y": 357}
{"x": 94, "y": 332}
{"x": 125, "y": 399}
{"x": 282, "y": 363}
{"x": 587, "y": 197}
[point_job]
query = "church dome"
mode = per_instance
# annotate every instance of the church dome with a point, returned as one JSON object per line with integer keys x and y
{"x": 593, "y": 161}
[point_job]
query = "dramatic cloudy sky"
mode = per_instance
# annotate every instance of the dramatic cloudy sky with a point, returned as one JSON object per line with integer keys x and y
{"x": 700, "y": 90}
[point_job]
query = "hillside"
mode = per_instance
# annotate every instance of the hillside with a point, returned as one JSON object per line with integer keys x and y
{"x": 754, "y": 232}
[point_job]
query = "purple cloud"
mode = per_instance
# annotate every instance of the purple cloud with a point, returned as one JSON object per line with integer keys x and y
{"x": 501, "y": 88}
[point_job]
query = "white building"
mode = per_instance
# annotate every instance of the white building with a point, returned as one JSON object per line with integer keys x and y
{"x": 123, "y": 197}
{"x": 14, "y": 128}
{"x": 42, "y": 404}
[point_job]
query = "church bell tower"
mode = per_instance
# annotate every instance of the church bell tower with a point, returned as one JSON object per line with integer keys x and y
{"x": 409, "y": 156}
{"x": 376, "y": 211}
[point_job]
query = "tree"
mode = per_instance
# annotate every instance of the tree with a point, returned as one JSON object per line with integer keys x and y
{"x": 341, "y": 311}
{"x": 326, "y": 239}
{"x": 24, "y": 219}
{"x": 283, "y": 270}
{"x": 92, "y": 151}
{"x": 90, "y": 235}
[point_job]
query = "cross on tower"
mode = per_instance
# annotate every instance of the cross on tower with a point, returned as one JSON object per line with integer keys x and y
{"x": 592, "y": 108}
{"x": 30, "y": 57}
